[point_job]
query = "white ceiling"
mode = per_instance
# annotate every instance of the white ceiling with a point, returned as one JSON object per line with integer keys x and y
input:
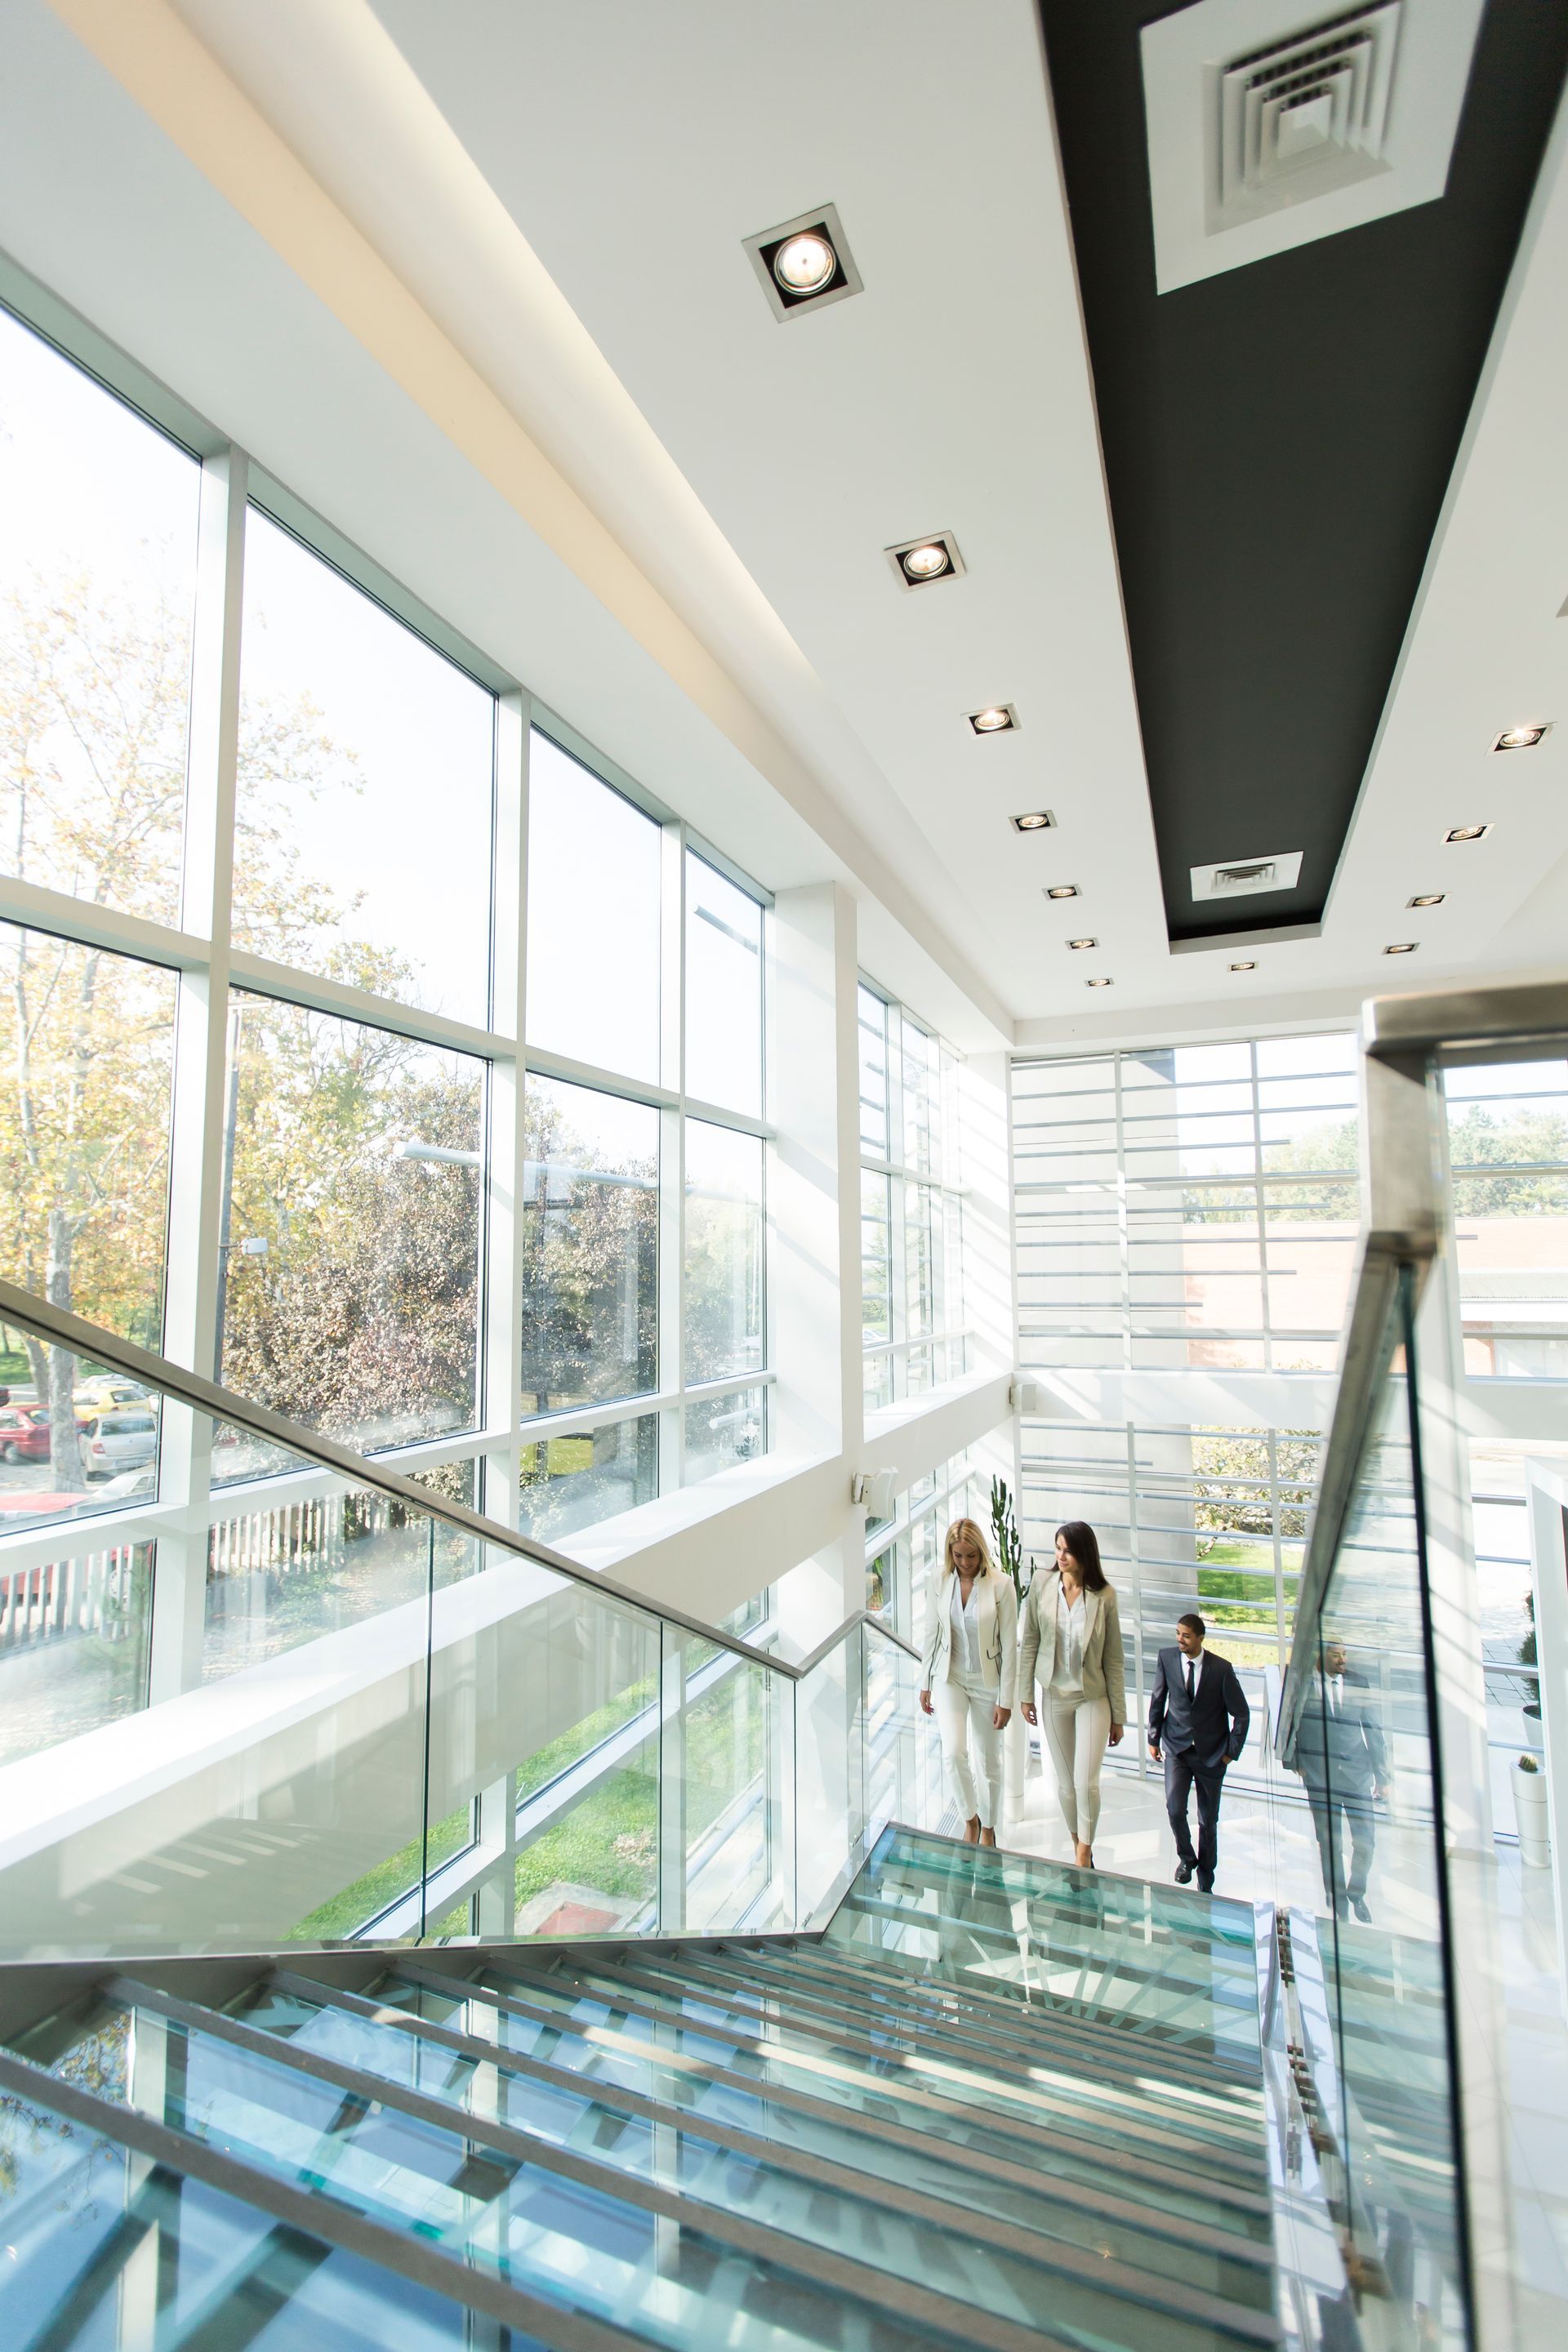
{"x": 680, "y": 546}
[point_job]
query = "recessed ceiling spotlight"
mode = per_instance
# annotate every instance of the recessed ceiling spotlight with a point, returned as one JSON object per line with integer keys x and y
{"x": 1062, "y": 890}
{"x": 1467, "y": 833}
{"x": 1401, "y": 947}
{"x": 1036, "y": 821}
{"x": 1083, "y": 944}
{"x": 1244, "y": 967}
{"x": 803, "y": 264}
{"x": 1521, "y": 739}
{"x": 1000, "y": 718}
{"x": 1431, "y": 898}
{"x": 918, "y": 562}
{"x": 1097, "y": 984}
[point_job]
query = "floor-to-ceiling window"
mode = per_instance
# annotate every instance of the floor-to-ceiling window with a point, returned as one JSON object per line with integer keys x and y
{"x": 299, "y": 1082}
{"x": 910, "y": 1203}
{"x": 1187, "y": 1214}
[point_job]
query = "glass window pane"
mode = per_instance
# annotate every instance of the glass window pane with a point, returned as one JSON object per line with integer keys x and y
{"x": 593, "y": 918}
{"x": 1508, "y": 1143}
{"x": 351, "y": 1243}
{"x": 723, "y": 1431}
{"x": 922, "y": 1143}
{"x": 575, "y": 1482}
{"x": 875, "y": 1263}
{"x": 366, "y": 763}
{"x": 98, "y": 574}
{"x": 86, "y": 1063}
{"x": 588, "y": 1248}
{"x": 723, "y": 991}
{"x": 723, "y": 1252}
{"x": 873, "y": 1029}
{"x": 920, "y": 1312}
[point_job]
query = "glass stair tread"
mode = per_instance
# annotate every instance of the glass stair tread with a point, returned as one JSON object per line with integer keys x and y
{"x": 988, "y": 2173}
{"x": 113, "y": 2241}
{"x": 997, "y": 1872}
{"x": 864, "y": 1972}
{"x": 933, "y": 2089}
{"x": 1079, "y": 2098}
{"x": 1218, "y": 2113}
{"x": 557, "y": 2226}
{"x": 1031, "y": 2278}
{"x": 910, "y": 2013}
{"x": 584, "y": 2217}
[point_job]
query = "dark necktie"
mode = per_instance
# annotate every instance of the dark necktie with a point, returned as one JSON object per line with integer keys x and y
{"x": 1192, "y": 1681}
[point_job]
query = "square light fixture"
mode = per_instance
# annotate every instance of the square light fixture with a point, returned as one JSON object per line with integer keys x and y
{"x": 1401, "y": 947}
{"x": 1431, "y": 898}
{"x": 996, "y": 718}
{"x": 1523, "y": 738}
{"x": 805, "y": 263}
{"x": 1097, "y": 984}
{"x": 1244, "y": 967}
{"x": 1062, "y": 890}
{"x": 922, "y": 562}
{"x": 1034, "y": 821}
{"x": 1467, "y": 833}
{"x": 1083, "y": 944}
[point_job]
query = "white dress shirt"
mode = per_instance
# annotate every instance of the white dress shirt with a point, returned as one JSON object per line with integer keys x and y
{"x": 1067, "y": 1672}
{"x": 965, "y": 1616}
{"x": 1193, "y": 1672}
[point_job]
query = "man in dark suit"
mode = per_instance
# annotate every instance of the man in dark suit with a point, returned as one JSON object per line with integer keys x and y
{"x": 1197, "y": 1725}
{"x": 1342, "y": 1756}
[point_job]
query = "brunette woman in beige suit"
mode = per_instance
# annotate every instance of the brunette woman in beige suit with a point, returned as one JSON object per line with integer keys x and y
{"x": 1069, "y": 1640}
{"x": 970, "y": 1667}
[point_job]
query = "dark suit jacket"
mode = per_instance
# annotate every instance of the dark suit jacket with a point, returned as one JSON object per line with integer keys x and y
{"x": 1214, "y": 1724}
{"x": 1345, "y": 1752}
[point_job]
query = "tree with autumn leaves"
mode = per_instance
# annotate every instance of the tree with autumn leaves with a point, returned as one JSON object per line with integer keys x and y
{"x": 369, "y": 1303}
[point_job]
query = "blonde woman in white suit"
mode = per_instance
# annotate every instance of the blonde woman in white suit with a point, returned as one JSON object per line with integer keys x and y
{"x": 1070, "y": 1643}
{"x": 970, "y": 1672}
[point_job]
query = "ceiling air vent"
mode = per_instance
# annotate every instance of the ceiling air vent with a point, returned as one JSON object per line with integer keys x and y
{"x": 1303, "y": 115}
{"x": 1272, "y": 124}
{"x": 1244, "y": 877}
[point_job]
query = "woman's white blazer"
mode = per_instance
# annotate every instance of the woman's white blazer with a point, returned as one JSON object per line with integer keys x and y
{"x": 1104, "y": 1672}
{"x": 996, "y": 1616}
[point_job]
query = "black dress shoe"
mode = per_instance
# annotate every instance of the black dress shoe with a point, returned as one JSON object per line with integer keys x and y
{"x": 1206, "y": 1887}
{"x": 1184, "y": 1872}
{"x": 1359, "y": 1905}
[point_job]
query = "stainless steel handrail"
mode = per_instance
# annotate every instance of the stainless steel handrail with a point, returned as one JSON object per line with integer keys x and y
{"x": 1405, "y": 1225}
{"x": 61, "y": 1328}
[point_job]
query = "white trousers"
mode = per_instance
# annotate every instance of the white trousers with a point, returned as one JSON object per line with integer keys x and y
{"x": 964, "y": 1713}
{"x": 1077, "y": 1731}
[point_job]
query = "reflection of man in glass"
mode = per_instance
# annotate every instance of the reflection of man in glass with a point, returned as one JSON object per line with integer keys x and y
{"x": 1340, "y": 1755}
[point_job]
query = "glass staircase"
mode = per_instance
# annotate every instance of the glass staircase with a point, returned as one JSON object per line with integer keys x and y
{"x": 996, "y": 2102}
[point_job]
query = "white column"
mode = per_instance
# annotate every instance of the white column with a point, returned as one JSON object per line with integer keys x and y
{"x": 190, "y": 1334}
{"x": 508, "y": 1141}
{"x": 813, "y": 1193}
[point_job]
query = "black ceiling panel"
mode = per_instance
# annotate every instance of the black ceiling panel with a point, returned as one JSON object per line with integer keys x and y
{"x": 1278, "y": 443}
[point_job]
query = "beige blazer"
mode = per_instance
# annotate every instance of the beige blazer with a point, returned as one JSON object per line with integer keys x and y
{"x": 997, "y": 1625}
{"x": 1104, "y": 1673}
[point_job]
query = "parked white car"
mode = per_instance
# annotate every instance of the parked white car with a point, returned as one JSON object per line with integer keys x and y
{"x": 118, "y": 1440}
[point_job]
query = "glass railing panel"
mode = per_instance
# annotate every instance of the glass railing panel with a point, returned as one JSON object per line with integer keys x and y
{"x": 722, "y": 1740}
{"x": 903, "y": 1760}
{"x": 76, "y": 1629}
{"x": 1366, "y": 1750}
{"x": 829, "y": 1767}
{"x": 267, "y": 1700}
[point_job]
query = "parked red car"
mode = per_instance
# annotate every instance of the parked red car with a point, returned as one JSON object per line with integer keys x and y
{"x": 25, "y": 1433}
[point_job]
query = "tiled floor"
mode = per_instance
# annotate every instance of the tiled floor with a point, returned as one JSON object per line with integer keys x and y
{"x": 1268, "y": 1853}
